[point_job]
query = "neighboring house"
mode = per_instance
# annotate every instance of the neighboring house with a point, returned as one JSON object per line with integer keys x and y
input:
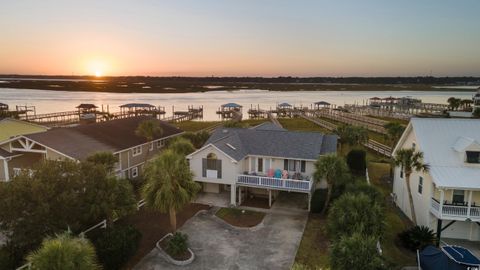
{"x": 263, "y": 160}
{"x": 447, "y": 198}
{"x": 79, "y": 142}
{"x": 10, "y": 128}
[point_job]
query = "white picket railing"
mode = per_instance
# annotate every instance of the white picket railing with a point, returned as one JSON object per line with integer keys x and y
{"x": 454, "y": 211}
{"x": 276, "y": 183}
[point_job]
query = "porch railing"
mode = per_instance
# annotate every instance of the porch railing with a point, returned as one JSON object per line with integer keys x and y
{"x": 278, "y": 183}
{"x": 454, "y": 211}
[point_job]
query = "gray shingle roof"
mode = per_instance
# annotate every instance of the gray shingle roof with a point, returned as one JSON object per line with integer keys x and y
{"x": 238, "y": 143}
{"x": 81, "y": 141}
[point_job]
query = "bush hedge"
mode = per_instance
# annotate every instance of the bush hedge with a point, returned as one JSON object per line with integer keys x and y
{"x": 318, "y": 200}
{"x": 417, "y": 237}
{"x": 357, "y": 161}
{"x": 116, "y": 245}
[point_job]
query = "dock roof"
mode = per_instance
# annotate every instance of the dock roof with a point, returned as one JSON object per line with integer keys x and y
{"x": 86, "y": 106}
{"x": 81, "y": 141}
{"x": 137, "y": 105}
{"x": 284, "y": 104}
{"x": 322, "y": 103}
{"x": 231, "y": 105}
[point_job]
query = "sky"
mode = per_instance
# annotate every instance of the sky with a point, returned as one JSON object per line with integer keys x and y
{"x": 240, "y": 37}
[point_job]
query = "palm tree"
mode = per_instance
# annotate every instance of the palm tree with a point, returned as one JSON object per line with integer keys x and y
{"x": 352, "y": 135}
{"x": 182, "y": 146}
{"x": 333, "y": 169}
{"x": 394, "y": 131}
{"x": 64, "y": 252}
{"x": 169, "y": 184}
{"x": 410, "y": 161}
{"x": 149, "y": 129}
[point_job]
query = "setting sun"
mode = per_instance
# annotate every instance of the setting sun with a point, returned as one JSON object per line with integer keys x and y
{"x": 96, "y": 68}
{"x": 98, "y": 73}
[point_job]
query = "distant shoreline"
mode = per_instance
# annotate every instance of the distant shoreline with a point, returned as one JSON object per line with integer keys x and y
{"x": 206, "y": 84}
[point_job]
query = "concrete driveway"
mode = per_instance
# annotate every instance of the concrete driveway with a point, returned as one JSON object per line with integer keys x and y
{"x": 217, "y": 245}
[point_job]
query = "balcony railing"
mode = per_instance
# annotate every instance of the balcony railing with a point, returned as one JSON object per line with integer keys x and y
{"x": 275, "y": 183}
{"x": 446, "y": 211}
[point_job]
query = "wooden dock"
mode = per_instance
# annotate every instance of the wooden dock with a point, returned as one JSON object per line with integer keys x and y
{"x": 371, "y": 144}
{"x": 369, "y": 123}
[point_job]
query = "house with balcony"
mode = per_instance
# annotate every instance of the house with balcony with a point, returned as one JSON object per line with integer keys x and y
{"x": 447, "y": 197}
{"x": 79, "y": 142}
{"x": 261, "y": 161}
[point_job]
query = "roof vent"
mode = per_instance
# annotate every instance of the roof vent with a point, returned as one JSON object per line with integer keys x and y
{"x": 231, "y": 146}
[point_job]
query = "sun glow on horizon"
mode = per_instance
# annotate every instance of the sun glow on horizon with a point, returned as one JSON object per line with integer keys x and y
{"x": 96, "y": 68}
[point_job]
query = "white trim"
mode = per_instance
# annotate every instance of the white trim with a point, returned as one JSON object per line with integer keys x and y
{"x": 42, "y": 145}
{"x": 205, "y": 147}
{"x": 134, "y": 172}
{"x": 138, "y": 153}
{"x": 5, "y": 168}
{"x": 402, "y": 139}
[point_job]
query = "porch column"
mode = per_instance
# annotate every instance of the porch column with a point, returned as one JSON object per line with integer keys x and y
{"x": 469, "y": 203}
{"x": 439, "y": 231}
{"x": 5, "y": 168}
{"x": 233, "y": 193}
{"x": 269, "y": 198}
{"x": 440, "y": 208}
{"x": 239, "y": 195}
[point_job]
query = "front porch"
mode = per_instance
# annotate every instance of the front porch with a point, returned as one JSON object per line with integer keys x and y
{"x": 455, "y": 211}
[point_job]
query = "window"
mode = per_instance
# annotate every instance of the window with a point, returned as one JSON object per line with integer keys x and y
{"x": 260, "y": 164}
{"x": 293, "y": 165}
{"x": 160, "y": 143}
{"x": 212, "y": 167}
{"x": 420, "y": 185}
{"x": 134, "y": 172}
{"x": 473, "y": 157}
{"x": 17, "y": 171}
{"x": 458, "y": 196}
{"x": 303, "y": 166}
{"x": 137, "y": 151}
{"x": 151, "y": 146}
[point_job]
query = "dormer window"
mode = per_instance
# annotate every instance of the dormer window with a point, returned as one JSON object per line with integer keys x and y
{"x": 473, "y": 156}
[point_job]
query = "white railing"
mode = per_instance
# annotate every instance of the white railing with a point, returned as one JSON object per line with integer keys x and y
{"x": 278, "y": 183}
{"x": 455, "y": 211}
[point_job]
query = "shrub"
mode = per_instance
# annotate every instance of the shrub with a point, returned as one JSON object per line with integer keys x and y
{"x": 197, "y": 139}
{"x": 356, "y": 252}
{"x": 318, "y": 200}
{"x": 116, "y": 245}
{"x": 6, "y": 259}
{"x": 357, "y": 161}
{"x": 178, "y": 244}
{"x": 417, "y": 237}
{"x": 355, "y": 213}
{"x": 371, "y": 191}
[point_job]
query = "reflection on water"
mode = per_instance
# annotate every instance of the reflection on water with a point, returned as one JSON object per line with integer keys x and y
{"x": 54, "y": 101}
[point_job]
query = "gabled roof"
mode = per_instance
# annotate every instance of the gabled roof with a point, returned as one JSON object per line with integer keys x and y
{"x": 284, "y": 104}
{"x": 86, "y": 106}
{"x": 321, "y": 103}
{"x": 239, "y": 143}
{"x": 440, "y": 139}
{"x": 84, "y": 140}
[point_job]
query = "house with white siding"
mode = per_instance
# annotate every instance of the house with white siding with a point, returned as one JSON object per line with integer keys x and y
{"x": 263, "y": 160}
{"x": 447, "y": 197}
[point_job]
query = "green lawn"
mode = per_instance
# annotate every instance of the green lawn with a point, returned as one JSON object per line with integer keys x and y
{"x": 195, "y": 125}
{"x": 396, "y": 222}
{"x": 313, "y": 250}
{"x": 389, "y": 119}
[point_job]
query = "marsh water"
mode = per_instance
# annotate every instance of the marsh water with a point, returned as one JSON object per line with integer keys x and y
{"x": 46, "y": 101}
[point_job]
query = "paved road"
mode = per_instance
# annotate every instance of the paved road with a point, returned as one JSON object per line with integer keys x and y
{"x": 217, "y": 245}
